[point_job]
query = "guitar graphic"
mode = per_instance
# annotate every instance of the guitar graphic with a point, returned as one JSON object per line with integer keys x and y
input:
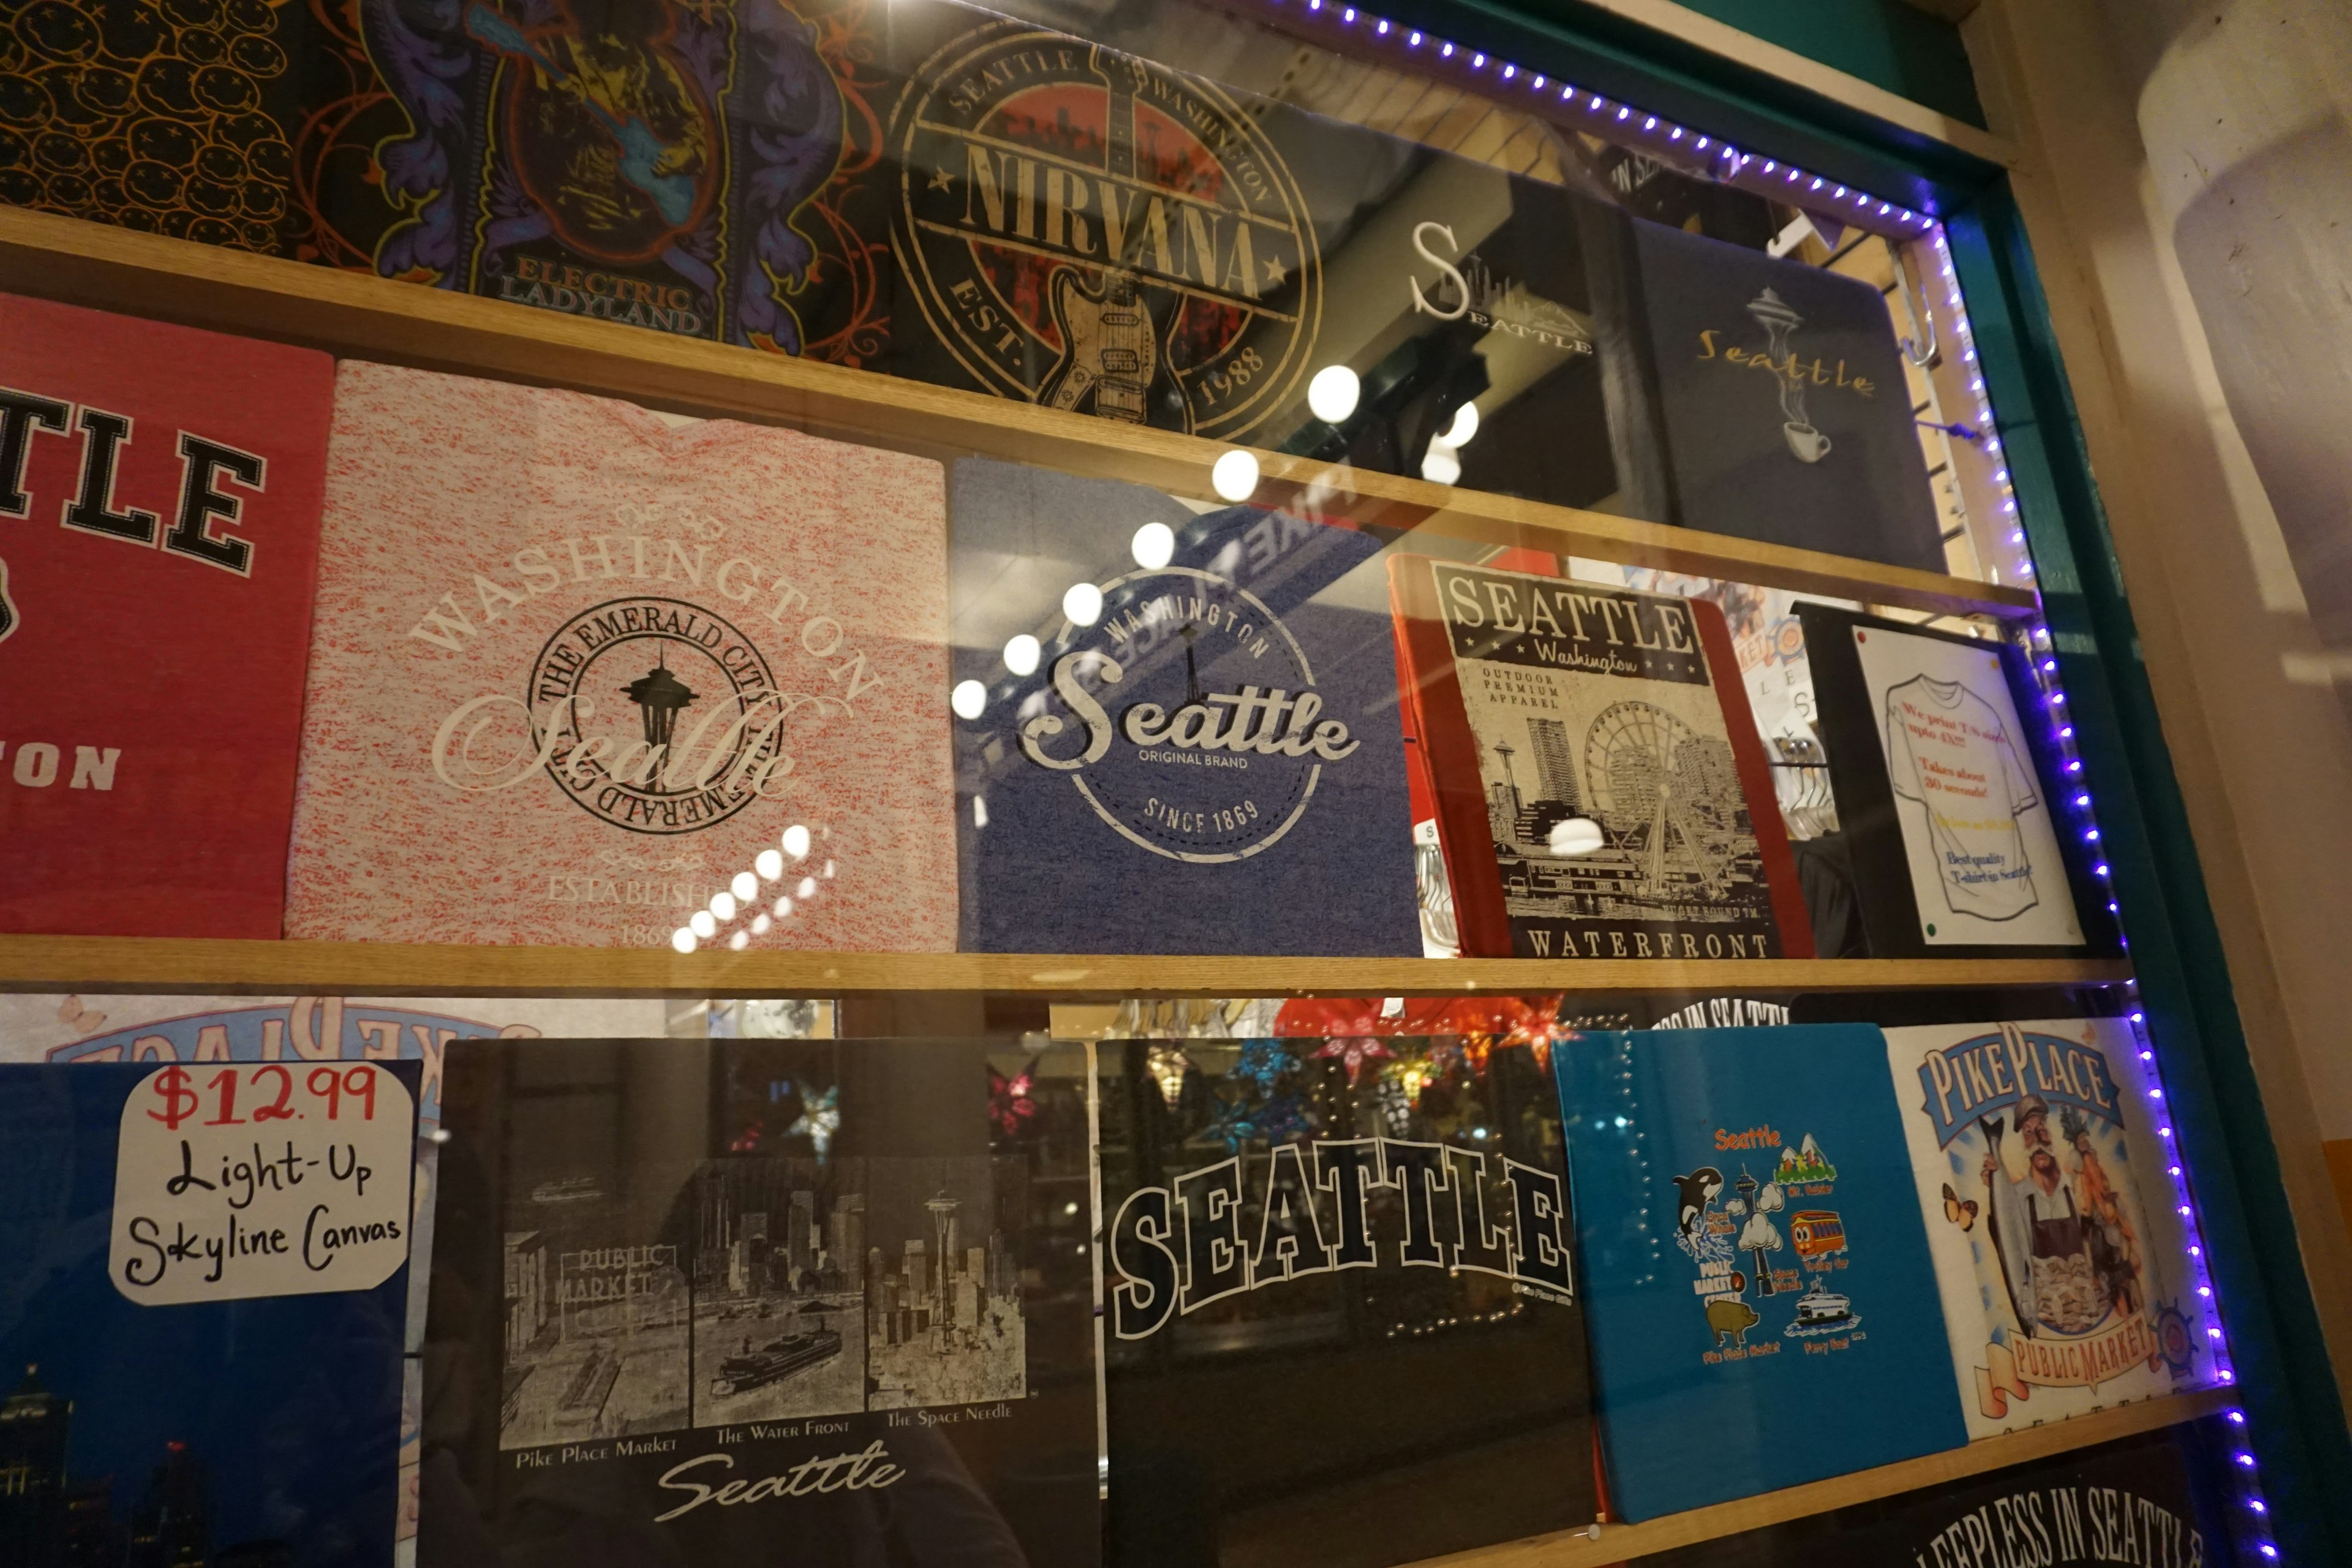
{"x": 643, "y": 153}
{"x": 7, "y": 605}
{"x": 1107, "y": 346}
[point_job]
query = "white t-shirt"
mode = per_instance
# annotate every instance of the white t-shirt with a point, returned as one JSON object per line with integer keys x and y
{"x": 1948, "y": 749}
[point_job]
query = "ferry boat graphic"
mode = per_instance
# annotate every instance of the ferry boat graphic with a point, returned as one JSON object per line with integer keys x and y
{"x": 775, "y": 1361}
{"x": 1818, "y": 1307}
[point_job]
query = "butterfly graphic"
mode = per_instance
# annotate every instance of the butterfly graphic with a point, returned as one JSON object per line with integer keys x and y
{"x": 819, "y": 1118}
{"x": 1010, "y": 1105}
{"x": 1353, "y": 1052}
{"x": 79, "y": 1018}
{"x": 1959, "y": 1212}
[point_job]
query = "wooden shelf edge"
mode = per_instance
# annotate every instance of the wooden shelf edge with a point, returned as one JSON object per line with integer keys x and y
{"x": 356, "y": 315}
{"x": 210, "y": 966}
{"x": 1620, "y": 1542}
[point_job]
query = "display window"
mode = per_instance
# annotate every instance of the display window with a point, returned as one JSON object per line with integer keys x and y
{"x": 825, "y": 783}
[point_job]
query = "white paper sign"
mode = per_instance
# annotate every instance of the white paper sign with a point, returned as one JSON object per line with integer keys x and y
{"x": 247, "y": 1179}
{"x": 1977, "y": 823}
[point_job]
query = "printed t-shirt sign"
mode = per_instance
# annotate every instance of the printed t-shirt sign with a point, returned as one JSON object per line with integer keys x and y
{"x": 1951, "y": 752}
{"x": 1764, "y": 1310}
{"x": 1968, "y": 839}
{"x": 577, "y": 669}
{"x": 1977, "y": 824}
{"x": 158, "y": 539}
{"x": 2048, "y": 1201}
{"x": 1984, "y": 858}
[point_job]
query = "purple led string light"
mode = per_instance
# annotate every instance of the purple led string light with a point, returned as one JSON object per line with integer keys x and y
{"x": 1855, "y": 208}
{"x": 2044, "y": 664}
{"x": 1858, "y": 208}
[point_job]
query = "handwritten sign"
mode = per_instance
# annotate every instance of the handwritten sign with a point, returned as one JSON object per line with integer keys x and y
{"x": 245, "y": 1179}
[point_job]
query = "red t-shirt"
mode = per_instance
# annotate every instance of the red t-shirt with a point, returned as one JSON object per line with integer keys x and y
{"x": 158, "y": 541}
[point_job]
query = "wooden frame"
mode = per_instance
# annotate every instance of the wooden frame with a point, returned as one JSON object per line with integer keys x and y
{"x": 199, "y": 964}
{"x": 356, "y": 316}
{"x": 1619, "y": 1542}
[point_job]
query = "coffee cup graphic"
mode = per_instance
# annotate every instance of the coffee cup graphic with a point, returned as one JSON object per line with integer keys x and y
{"x": 1780, "y": 322}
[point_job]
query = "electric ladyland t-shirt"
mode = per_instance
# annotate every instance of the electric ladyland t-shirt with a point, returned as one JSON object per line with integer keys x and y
{"x": 1948, "y": 749}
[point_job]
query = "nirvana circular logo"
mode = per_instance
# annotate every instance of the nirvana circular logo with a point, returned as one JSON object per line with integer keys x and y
{"x": 1094, "y": 233}
{"x": 657, "y": 715}
{"x": 1190, "y": 721}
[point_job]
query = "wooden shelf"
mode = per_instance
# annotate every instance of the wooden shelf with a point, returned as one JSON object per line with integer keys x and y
{"x": 359, "y": 968}
{"x": 357, "y": 315}
{"x": 1619, "y": 1542}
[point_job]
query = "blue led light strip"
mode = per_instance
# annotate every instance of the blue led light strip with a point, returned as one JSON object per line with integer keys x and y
{"x": 1624, "y": 124}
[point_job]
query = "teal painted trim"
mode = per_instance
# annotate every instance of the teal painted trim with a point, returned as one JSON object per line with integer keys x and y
{"x": 2295, "y": 1423}
{"x": 1661, "y": 74}
{"x": 1884, "y": 42}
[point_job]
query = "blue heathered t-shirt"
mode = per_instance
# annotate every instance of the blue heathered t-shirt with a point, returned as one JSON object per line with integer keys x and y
{"x": 1213, "y": 764}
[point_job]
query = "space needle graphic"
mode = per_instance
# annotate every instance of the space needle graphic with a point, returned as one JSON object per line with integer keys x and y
{"x": 659, "y": 697}
{"x": 1193, "y": 693}
{"x": 942, "y": 1211}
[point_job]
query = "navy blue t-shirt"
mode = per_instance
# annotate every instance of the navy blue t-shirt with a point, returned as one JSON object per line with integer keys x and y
{"x": 1213, "y": 763}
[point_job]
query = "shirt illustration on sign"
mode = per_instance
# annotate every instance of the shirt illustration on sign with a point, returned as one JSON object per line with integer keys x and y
{"x": 1979, "y": 841}
{"x": 1948, "y": 749}
{"x": 1729, "y": 1229}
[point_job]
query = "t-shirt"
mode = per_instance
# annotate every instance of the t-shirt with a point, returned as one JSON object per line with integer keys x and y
{"x": 1214, "y": 751}
{"x": 578, "y": 671}
{"x": 1948, "y": 749}
{"x": 1756, "y": 1273}
{"x": 159, "y": 542}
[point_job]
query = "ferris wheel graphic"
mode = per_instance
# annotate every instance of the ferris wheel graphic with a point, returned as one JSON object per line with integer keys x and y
{"x": 1666, "y": 793}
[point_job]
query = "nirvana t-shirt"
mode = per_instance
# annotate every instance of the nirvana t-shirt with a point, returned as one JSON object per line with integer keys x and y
{"x": 1948, "y": 749}
{"x": 159, "y": 544}
{"x": 578, "y": 669}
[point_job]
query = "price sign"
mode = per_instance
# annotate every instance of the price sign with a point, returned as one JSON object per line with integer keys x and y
{"x": 242, "y": 1179}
